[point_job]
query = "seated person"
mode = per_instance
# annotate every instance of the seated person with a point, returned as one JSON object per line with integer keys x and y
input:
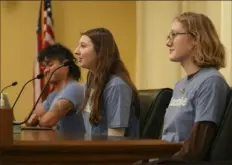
{"x": 61, "y": 107}
{"x": 199, "y": 99}
{"x": 111, "y": 104}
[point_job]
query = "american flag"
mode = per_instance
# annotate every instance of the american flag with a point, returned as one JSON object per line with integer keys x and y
{"x": 45, "y": 37}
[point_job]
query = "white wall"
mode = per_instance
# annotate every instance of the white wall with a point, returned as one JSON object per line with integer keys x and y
{"x": 226, "y": 37}
{"x": 154, "y": 70}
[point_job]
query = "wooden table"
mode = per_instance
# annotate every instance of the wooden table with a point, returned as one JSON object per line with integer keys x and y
{"x": 33, "y": 146}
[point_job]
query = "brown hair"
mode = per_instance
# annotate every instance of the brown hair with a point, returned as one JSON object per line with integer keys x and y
{"x": 108, "y": 63}
{"x": 209, "y": 49}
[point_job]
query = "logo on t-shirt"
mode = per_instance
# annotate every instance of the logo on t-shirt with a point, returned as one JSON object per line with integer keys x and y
{"x": 178, "y": 102}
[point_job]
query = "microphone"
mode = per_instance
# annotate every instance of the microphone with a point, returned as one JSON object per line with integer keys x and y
{"x": 13, "y": 84}
{"x": 66, "y": 63}
{"x": 40, "y": 76}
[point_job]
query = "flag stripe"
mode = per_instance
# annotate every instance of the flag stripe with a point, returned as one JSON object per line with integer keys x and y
{"x": 45, "y": 37}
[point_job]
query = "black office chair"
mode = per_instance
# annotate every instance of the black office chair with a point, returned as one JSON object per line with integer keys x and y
{"x": 222, "y": 146}
{"x": 153, "y": 104}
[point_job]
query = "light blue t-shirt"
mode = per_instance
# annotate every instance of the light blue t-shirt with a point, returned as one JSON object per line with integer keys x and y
{"x": 118, "y": 110}
{"x": 201, "y": 98}
{"x": 73, "y": 121}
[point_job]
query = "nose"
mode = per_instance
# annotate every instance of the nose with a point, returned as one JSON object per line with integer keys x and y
{"x": 168, "y": 42}
{"x": 77, "y": 51}
{"x": 46, "y": 70}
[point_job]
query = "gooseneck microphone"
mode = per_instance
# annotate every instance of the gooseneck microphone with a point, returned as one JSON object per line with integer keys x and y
{"x": 40, "y": 76}
{"x": 66, "y": 63}
{"x": 13, "y": 84}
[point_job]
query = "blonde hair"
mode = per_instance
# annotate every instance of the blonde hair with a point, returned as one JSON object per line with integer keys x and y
{"x": 209, "y": 49}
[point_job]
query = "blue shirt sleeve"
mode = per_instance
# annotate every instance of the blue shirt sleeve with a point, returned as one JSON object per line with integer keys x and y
{"x": 211, "y": 100}
{"x": 47, "y": 103}
{"x": 73, "y": 92}
{"x": 117, "y": 104}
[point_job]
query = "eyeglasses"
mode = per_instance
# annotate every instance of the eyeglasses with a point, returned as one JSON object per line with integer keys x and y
{"x": 172, "y": 35}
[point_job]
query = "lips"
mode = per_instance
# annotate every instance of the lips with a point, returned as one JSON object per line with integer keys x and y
{"x": 171, "y": 50}
{"x": 79, "y": 59}
{"x": 47, "y": 76}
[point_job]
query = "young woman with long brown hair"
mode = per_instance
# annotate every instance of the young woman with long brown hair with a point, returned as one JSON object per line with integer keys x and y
{"x": 111, "y": 104}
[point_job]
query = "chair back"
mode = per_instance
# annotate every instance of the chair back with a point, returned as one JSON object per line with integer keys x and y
{"x": 222, "y": 146}
{"x": 153, "y": 104}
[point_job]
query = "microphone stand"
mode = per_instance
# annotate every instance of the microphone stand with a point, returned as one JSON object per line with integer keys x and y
{"x": 13, "y": 84}
{"x": 40, "y": 76}
{"x": 67, "y": 63}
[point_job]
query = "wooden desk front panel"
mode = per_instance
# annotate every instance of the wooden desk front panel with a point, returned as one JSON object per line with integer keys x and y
{"x": 47, "y": 147}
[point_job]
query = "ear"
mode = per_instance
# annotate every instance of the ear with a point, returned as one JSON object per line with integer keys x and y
{"x": 194, "y": 42}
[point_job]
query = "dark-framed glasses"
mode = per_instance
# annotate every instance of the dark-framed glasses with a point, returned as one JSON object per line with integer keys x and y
{"x": 172, "y": 35}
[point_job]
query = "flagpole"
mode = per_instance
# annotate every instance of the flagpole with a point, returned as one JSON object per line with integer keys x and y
{"x": 42, "y": 37}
